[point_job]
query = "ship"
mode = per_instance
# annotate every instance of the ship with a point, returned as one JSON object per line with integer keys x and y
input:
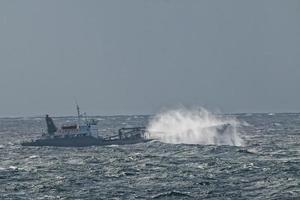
{"x": 85, "y": 133}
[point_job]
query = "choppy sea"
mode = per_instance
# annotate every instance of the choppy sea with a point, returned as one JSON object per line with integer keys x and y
{"x": 267, "y": 166}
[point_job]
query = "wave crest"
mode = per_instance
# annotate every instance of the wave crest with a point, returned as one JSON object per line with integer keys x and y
{"x": 197, "y": 126}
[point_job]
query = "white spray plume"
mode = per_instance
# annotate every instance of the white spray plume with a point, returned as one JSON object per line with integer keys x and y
{"x": 197, "y": 126}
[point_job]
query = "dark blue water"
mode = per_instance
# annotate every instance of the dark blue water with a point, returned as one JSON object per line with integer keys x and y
{"x": 267, "y": 167}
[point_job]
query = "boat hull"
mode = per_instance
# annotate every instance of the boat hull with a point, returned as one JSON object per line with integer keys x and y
{"x": 83, "y": 141}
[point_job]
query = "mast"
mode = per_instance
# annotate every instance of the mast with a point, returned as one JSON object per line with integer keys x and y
{"x": 78, "y": 115}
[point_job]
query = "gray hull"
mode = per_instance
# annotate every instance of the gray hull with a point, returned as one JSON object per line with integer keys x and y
{"x": 83, "y": 141}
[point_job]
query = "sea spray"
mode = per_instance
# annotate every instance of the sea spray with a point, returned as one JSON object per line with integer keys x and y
{"x": 197, "y": 126}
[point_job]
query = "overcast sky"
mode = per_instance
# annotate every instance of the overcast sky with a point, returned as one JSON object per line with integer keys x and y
{"x": 139, "y": 56}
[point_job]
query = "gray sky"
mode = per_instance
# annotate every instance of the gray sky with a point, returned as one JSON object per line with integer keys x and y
{"x": 138, "y": 56}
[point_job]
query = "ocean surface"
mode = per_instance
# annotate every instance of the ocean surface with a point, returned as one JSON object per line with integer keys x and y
{"x": 267, "y": 166}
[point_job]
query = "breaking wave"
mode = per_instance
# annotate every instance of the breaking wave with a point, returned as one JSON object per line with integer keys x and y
{"x": 197, "y": 126}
